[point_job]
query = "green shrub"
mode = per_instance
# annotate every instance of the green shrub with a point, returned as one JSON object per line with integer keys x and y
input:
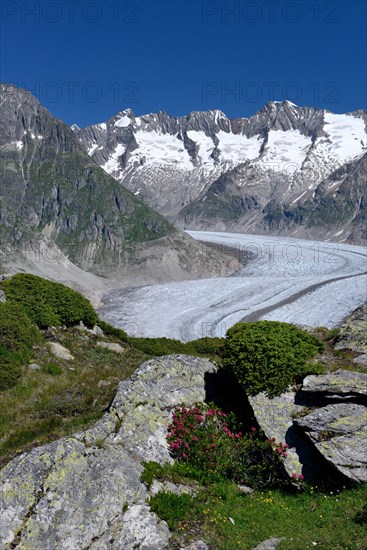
{"x": 168, "y": 346}
{"x": 332, "y": 334}
{"x": 207, "y": 439}
{"x": 52, "y": 368}
{"x": 109, "y": 330}
{"x": 17, "y": 337}
{"x": 17, "y": 333}
{"x": 207, "y": 345}
{"x": 158, "y": 346}
{"x": 47, "y": 303}
{"x": 269, "y": 355}
{"x": 10, "y": 369}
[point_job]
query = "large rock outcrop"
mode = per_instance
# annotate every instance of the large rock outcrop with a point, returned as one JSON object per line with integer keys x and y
{"x": 353, "y": 332}
{"x": 324, "y": 423}
{"x": 339, "y": 432}
{"x": 84, "y": 491}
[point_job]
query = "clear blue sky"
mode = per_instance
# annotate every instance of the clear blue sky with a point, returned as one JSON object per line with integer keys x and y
{"x": 86, "y": 60}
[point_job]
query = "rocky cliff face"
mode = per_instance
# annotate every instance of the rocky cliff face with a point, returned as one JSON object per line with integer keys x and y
{"x": 281, "y": 170}
{"x": 52, "y": 190}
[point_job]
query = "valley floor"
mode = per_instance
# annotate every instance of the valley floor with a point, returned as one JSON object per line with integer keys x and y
{"x": 298, "y": 281}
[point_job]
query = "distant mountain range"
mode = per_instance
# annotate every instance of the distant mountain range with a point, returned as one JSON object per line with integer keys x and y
{"x": 51, "y": 191}
{"x": 291, "y": 170}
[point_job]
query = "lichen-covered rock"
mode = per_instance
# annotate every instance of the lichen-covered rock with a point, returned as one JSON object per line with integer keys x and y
{"x": 111, "y": 346}
{"x": 85, "y": 491}
{"x": 341, "y": 382}
{"x": 275, "y": 416}
{"x": 145, "y": 400}
{"x": 339, "y": 432}
{"x": 333, "y": 420}
{"x": 34, "y": 366}
{"x": 353, "y": 333}
{"x": 270, "y": 544}
{"x": 361, "y": 359}
{"x": 60, "y": 351}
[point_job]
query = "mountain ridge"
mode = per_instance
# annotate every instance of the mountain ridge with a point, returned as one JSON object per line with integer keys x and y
{"x": 53, "y": 192}
{"x": 282, "y": 152}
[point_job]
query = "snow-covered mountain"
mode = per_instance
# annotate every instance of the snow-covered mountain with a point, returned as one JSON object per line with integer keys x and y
{"x": 254, "y": 174}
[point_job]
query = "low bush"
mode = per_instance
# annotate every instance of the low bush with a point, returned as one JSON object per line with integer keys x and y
{"x": 167, "y": 346}
{"x": 269, "y": 355}
{"x": 17, "y": 332}
{"x": 47, "y": 303}
{"x": 207, "y": 345}
{"x": 332, "y": 334}
{"x": 109, "y": 330}
{"x": 207, "y": 439}
{"x": 17, "y": 337}
{"x": 10, "y": 369}
{"x": 52, "y": 368}
{"x": 158, "y": 346}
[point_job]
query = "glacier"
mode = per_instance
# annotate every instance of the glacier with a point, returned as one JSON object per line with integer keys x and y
{"x": 294, "y": 280}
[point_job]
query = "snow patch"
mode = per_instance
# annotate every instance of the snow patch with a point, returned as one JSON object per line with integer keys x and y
{"x": 285, "y": 151}
{"x": 345, "y": 133}
{"x": 112, "y": 166}
{"x": 92, "y": 149}
{"x": 156, "y": 148}
{"x": 123, "y": 122}
{"x": 205, "y": 145}
{"x": 237, "y": 148}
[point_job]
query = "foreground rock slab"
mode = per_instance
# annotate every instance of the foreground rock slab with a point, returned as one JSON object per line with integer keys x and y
{"x": 341, "y": 382}
{"x": 275, "y": 416}
{"x": 84, "y": 491}
{"x": 332, "y": 437}
{"x": 353, "y": 333}
{"x": 339, "y": 432}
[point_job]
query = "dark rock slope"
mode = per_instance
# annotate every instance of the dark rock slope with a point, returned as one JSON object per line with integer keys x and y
{"x": 50, "y": 189}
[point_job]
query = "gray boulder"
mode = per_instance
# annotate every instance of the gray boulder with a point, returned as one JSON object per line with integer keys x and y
{"x": 361, "y": 359}
{"x": 34, "y": 366}
{"x": 353, "y": 333}
{"x": 341, "y": 382}
{"x": 111, "y": 346}
{"x": 84, "y": 491}
{"x": 270, "y": 544}
{"x": 60, "y": 351}
{"x": 2, "y": 297}
{"x": 98, "y": 331}
{"x": 275, "y": 416}
{"x": 339, "y": 432}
